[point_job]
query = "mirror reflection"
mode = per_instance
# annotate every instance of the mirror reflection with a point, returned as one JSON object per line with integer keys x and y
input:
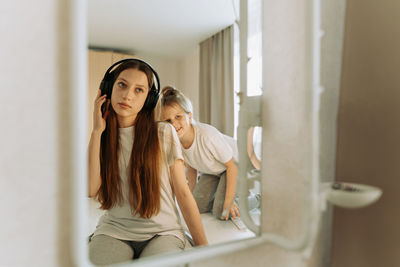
{"x": 196, "y": 61}
{"x": 254, "y": 138}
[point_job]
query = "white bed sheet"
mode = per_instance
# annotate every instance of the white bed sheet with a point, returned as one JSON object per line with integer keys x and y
{"x": 217, "y": 231}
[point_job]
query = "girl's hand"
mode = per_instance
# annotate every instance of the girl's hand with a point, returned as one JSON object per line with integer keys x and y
{"x": 99, "y": 123}
{"x": 233, "y": 210}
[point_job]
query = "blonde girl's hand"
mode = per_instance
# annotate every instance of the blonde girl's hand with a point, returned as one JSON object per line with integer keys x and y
{"x": 233, "y": 211}
{"x": 99, "y": 122}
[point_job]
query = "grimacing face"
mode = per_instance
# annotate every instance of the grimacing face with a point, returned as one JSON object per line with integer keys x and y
{"x": 175, "y": 115}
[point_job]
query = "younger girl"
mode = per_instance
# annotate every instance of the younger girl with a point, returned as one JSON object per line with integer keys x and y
{"x": 206, "y": 150}
{"x": 136, "y": 170}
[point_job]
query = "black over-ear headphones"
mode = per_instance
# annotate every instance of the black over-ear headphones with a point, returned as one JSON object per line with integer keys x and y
{"x": 108, "y": 80}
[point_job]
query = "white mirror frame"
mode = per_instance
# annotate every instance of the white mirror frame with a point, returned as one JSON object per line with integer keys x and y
{"x": 249, "y": 116}
{"x": 77, "y": 17}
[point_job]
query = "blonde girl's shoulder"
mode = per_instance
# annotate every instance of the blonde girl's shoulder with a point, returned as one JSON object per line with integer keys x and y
{"x": 164, "y": 127}
{"x": 169, "y": 142}
{"x": 166, "y": 132}
{"x": 207, "y": 130}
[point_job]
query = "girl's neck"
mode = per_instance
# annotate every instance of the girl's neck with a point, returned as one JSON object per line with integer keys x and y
{"x": 188, "y": 138}
{"x": 126, "y": 122}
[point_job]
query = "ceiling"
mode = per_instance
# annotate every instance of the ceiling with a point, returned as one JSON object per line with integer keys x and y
{"x": 159, "y": 27}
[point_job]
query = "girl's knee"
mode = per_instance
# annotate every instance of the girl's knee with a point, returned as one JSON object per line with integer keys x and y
{"x": 204, "y": 202}
{"x": 105, "y": 250}
{"x": 163, "y": 244}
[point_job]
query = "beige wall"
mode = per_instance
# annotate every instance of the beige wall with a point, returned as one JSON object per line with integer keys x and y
{"x": 368, "y": 149}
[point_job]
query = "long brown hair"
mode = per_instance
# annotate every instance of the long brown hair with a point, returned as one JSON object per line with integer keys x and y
{"x": 144, "y": 166}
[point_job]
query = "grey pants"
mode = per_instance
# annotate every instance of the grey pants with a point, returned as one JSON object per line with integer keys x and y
{"x": 209, "y": 194}
{"x": 106, "y": 250}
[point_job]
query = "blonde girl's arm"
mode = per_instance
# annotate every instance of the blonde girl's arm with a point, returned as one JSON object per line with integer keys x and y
{"x": 99, "y": 124}
{"x": 231, "y": 177}
{"x": 191, "y": 176}
{"x": 187, "y": 203}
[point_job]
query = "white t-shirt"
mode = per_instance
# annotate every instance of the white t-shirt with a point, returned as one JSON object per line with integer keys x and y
{"x": 210, "y": 150}
{"x": 119, "y": 222}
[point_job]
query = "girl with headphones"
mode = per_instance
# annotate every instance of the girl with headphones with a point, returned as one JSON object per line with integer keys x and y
{"x": 208, "y": 151}
{"x": 136, "y": 171}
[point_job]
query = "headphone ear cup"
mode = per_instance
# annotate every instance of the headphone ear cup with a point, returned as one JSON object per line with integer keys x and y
{"x": 152, "y": 99}
{"x": 106, "y": 87}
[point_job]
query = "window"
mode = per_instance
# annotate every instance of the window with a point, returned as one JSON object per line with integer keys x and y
{"x": 254, "y": 52}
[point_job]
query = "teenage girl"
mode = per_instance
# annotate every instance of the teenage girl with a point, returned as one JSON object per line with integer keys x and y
{"x": 207, "y": 151}
{"x": 136, "y": 170}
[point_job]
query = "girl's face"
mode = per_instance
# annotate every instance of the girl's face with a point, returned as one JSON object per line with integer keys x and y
{"x": 175, "y": 115}
{"x": 128, "y": 95}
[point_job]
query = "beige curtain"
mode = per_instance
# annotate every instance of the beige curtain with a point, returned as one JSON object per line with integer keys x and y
{"x": 216, "y": 81}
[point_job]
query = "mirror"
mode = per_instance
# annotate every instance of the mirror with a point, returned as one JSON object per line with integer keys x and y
{"x": 168, "y": 37}
{"x": 254, "y": 139}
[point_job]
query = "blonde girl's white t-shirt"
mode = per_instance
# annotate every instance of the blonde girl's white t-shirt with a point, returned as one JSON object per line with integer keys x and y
{"x": 119, "y": 222}
{"x": 210, "y": 149}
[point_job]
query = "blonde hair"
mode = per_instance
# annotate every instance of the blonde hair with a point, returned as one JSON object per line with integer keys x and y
{"x": 171, "y": 96}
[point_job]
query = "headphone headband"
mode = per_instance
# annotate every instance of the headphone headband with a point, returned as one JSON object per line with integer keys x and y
{"x": 109, "y": 70}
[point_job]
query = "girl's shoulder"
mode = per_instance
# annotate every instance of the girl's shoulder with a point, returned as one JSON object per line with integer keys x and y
{"x": 164, "y": 126}
{"x": 169, "y": 141}
{"x": 165, "y": 131}
{"x": 206, "y": 130}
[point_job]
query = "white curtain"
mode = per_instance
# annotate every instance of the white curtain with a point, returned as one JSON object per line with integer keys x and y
{"x": 216, "y": 81}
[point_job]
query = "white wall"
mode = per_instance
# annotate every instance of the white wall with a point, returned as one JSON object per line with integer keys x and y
{"x": 181, "y": 72}
{"x": 29, "y": 136}
{"x": 167, "y": 68}
{"x": 188, "y": 79}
